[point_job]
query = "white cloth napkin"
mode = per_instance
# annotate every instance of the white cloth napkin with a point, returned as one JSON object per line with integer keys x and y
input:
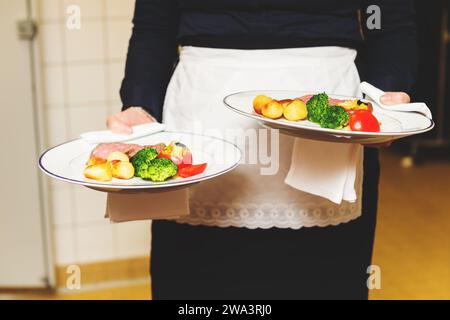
{"x": 325, "y": 169}
{"x": 329, "y": 169}
{"x": 375, "y": 94}
{"x": 163, "y": 205}
{"x": 107, "y": 136}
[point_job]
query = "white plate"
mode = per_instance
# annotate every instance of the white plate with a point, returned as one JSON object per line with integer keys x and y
{"x": 67, "y": 161}
{"x": 394, "y": 125}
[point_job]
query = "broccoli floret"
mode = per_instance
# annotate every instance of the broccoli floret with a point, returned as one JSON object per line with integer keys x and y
{"x": 331, "y": 117}
{"x": 159, "y": 169}
{"x": 334, "y": 118}
{"x": 142, "y": 159}
{"x": 316, "y": 106}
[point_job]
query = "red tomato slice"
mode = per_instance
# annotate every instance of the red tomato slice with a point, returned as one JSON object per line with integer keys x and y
{"x": 183, "y": 165}
{"x": 363, "y": 120}
{"x": 191, "y": 170}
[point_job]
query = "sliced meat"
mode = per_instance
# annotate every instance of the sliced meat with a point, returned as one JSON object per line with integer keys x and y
{"x": 103, "y": 150}
{"x": 331, "y": 101}
{"x": 306, "y": 98}
{"x": 285, "y": 102}
{"x": 334, "y": 102}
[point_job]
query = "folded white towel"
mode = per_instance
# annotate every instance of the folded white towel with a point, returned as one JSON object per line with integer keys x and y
{"x": 375, "y": 94}
{"x": 329, "y": 169}
{"x": 107, "y": 136}
{"x": 325, "y": 169}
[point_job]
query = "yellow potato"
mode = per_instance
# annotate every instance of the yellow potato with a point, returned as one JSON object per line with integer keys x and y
{"x": 95, "y": 160}
{"x": 272, "y": 110}
{"x": 259, "y": 102}
{"x": 122, "y": 169}
{"x": 285, "y": 102}
{"x": 100, "y": 172}
{"x": 295, "y": 111}
{"x": 116, "y": 155}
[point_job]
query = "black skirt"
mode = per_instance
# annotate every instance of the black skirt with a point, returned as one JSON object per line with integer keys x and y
{"x": 201, "y": 262}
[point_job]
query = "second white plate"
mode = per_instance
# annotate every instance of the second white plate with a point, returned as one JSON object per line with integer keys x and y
{"x": 394, "y": 125}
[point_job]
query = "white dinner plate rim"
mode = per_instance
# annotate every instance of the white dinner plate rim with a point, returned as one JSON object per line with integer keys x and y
{"x": 163, "y": 185}
{"x": 324, "y": 130}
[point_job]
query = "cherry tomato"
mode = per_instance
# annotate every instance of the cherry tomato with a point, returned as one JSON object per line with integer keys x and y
{"x": 363, "y": 120}
{"x": 183, "y": 165}
{"x": 191, "y": 170}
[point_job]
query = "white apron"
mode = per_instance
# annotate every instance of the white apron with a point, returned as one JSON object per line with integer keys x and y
{"x": 244, "y": 197}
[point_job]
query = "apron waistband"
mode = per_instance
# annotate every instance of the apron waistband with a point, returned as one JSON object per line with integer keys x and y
{"x": 312, "y": 56}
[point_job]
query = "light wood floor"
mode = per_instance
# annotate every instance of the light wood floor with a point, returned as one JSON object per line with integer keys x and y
{"x": 412, "y": 245}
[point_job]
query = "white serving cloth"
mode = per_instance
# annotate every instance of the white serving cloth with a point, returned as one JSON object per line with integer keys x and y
{"x": 107, "y": 136}
{"x": 375, "y": 94}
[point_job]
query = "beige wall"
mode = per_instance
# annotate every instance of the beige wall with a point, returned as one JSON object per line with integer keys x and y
{"x": 82, "y": 71}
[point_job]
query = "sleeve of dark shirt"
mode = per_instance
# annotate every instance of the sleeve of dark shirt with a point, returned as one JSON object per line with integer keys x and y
{"x": 152, "y": 53}
{"x": 391, "y": 53}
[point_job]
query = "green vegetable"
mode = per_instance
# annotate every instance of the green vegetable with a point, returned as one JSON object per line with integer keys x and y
{"x": 316, "y": 106}
{"x": 159, "y": 169}
{"x": 334, "y": 118}
{"x": 142, "y": 159}
{"x": 331, "y": 117}
{"x": 147, "y": 166}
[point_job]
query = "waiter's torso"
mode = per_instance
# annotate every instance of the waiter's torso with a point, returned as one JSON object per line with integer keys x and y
{"x": 160, "y": 26}
{"x": 264, "y": 24}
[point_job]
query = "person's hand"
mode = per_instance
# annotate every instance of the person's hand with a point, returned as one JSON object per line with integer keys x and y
{"x": 122, "y": 122}
{"x": 391, "y": 98}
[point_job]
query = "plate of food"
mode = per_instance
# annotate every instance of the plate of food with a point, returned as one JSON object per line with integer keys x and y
{"x": 161, "y": 160}
{"x": 327, "y": 117}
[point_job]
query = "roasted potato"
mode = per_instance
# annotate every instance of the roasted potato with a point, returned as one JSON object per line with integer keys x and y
{"x": 116, "y": 155}
{"x": 122, "y": 169}
{"x": 259, "y": 102}
{"x": 100, "y": 172}
{"x": 285, "y": 102}
{"x": 272, "y": 110}
{"x": 295, "y": 111}
{"x": 95, "y": 160}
